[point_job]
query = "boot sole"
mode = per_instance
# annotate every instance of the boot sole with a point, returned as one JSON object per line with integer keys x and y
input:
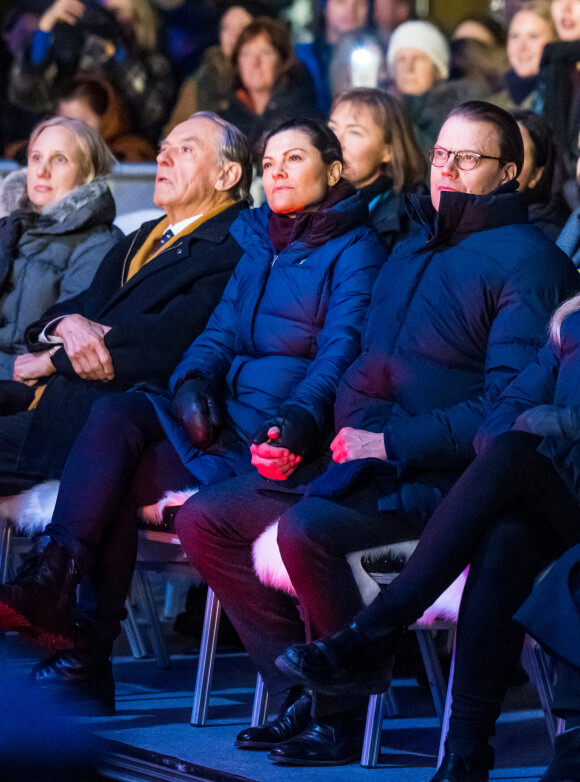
{"x": 10, "y": 619}
{"x": 254, "y": 745}
{"x": 364, "y": 684}
{"x": 354, "y": 758}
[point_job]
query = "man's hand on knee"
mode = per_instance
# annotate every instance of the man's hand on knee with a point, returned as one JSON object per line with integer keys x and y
{"x": 84, "y": 343}
{"x": 352, "y": 444}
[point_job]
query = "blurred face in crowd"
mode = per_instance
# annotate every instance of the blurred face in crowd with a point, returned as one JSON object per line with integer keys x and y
{"x": 79, "y": 109}
{"x": 295, "y": 176}
{"x": 188, "y": 169}
{"x": 389, "y": 14}
{"x": 363, "y": 143}
{"x": 527, "y": 36}
{"x": 414, "y": 71}
{"x": 566, "y": 16}
{"x": 53, "y": 166}
{"x": 344, "y": 16}
{"x": 475, "y": 31}
{"x": 530, "y": 175}
{"x": 231, "y": 25}
{"x": 258, "y": 64}
{"x": 462, "y": 135}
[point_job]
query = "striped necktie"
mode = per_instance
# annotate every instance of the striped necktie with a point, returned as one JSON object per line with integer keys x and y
{"x": 166, "y": 237}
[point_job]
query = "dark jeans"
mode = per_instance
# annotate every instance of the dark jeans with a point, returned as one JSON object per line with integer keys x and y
{"x": 217, "y": 528}
{"x": 507, "y": 516}
{"x": 120, "y": 461}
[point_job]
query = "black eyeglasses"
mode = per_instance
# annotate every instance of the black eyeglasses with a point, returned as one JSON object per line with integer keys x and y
{"x": 466, "y": 161}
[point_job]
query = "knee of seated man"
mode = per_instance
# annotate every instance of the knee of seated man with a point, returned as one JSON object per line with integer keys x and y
{"x": 301, "y": 531}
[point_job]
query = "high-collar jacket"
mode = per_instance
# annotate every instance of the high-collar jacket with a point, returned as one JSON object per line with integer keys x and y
{"x": 457, "y": 312}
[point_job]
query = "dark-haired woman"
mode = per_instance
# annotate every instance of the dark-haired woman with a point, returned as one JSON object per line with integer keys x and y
{"x": 381, "y": 156}
{"x": 265, "y": 369}
{"x": 541, "y": 175}
{"x": 270, "y": 85}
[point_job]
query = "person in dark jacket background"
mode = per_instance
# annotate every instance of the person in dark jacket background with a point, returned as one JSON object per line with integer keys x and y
{"x": 541, "y": 177}
{"x": 266, "y": 368}
{"x": 56, "y": 226}
{"x": 270, "y": 85}
{"x": 457, "y": 311}
{"x": 381, "y": 156}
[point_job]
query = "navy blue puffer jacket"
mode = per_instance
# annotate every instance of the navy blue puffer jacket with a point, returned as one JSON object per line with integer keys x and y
{"x": 287, "y": 328}
{"x": 457, "y": 312}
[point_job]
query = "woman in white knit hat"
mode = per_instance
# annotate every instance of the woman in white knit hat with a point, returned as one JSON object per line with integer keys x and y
{"x": 418, "y": 61}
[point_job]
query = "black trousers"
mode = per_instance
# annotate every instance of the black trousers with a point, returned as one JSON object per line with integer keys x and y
{"x": 13, "y": 431}
{"x": 507, "y": 517}
{"x": 120, "y": 461}
{"x": 530, "y": 517}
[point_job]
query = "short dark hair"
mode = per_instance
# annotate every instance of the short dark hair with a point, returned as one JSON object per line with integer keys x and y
{"x": 320, "y": 135}
{"x": 544, "y": 152}
{"x": 511, "y": 145}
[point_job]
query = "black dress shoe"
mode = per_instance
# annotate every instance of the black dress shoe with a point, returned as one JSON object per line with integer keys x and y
{"x": 293, "y": 717}
{"x": 81, "y": 678}
{"x": 565, "y": 765}
{"x": 453, "y": 769}
{"x": 345, "y": 663}
{"x": 323, "y": 743}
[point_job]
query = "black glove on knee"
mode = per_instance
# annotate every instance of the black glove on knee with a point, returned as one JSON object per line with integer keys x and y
{"x": 198, "y": 406}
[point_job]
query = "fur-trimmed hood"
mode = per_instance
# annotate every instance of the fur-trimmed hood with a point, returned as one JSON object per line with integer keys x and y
{"x": 82, "y": 206}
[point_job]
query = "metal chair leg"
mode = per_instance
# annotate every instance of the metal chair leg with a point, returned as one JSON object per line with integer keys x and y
{"x": 138, "y": 649}
{"x": 447, "y": 710}
{"x": 433, "y": 670}
{"x": 206, "y": 659}
{"x": 147, "y": 601}
{"x": 5, "y": 540}
{"x": 373, "y": 726}
{"x": 539, "y": 671}
{"x": 260, "y": 707}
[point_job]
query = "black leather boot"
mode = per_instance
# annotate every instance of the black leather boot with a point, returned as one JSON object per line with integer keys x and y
{"x": 345, "y": 663}
{"x": 333, "y": 740}
{"x": 81, "y": 677}
{"x": 40, "y": 602}
{"x": 293, "y": 717}
{"x": 454, "y": 769}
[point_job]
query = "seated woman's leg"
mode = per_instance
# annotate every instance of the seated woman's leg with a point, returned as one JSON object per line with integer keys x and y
{"x": 510, "y": 475}
{"x": 489, "y": 642}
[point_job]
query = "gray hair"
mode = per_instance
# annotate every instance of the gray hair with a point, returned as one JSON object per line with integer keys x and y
{"x": 233, "y": 148}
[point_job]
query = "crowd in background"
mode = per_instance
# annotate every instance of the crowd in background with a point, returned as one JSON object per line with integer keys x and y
{"x": 133, "y": 69}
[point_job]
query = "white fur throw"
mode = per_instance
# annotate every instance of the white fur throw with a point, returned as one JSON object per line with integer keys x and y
{"x": 271, "y": 571}
{"x": 31, "y": 510}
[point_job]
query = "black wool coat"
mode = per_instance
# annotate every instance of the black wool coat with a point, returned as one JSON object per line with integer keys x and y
{"x": 154, "y": 317}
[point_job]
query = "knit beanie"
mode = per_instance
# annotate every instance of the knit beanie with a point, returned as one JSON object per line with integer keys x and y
{"x": 425, "y": 37}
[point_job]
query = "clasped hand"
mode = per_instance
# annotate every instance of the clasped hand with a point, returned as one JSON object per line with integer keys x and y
{"x": 273, "y": 461}
{"x": 84, "y": 343}
{"x": 29, "y": 368}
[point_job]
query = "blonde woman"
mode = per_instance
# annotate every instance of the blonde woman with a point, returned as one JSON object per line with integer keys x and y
{"x": 57, "y": 226}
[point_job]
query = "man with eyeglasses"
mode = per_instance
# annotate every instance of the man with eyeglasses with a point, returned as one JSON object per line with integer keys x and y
{"x": 457, "y": 312}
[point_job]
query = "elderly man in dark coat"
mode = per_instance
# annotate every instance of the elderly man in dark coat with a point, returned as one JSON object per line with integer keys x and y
{"x": 151, "y": 296}
{"x": 456, "y": 313}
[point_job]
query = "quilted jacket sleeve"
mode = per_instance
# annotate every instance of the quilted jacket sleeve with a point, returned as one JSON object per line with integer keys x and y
{"x": 443, "y": 438}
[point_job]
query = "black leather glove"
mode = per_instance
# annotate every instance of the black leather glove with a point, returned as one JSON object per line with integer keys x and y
{"x": 198, "y": 406}
{"x": 550, "y": 421}
{"x": 298, "y": 431}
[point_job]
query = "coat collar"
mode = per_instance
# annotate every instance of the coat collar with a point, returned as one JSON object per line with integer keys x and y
{"x": 214, "y": 230}
{"x": 464, "y": 213}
